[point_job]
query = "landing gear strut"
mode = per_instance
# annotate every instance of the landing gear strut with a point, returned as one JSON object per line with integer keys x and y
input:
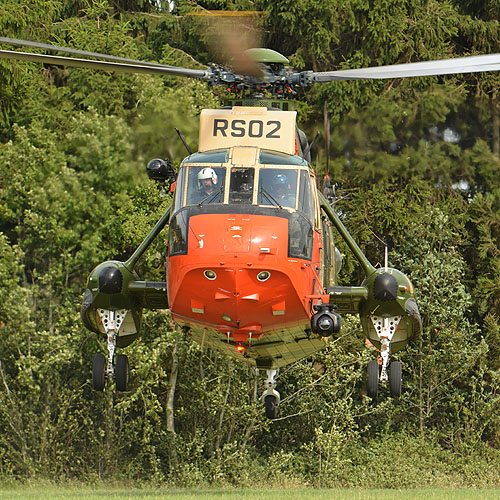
{"x": 393, "y": 374}
{"x": 271, "y": 396}
{"x": 103, "y": 369}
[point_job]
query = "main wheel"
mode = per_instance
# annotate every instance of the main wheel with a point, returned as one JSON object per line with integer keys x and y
{"x": 372, "y": 385}
{"x": 99, "y": 372}
{"x": 396, "y": 378}
{"x": 121, "y": 372}
{"x": 271, "y": 405}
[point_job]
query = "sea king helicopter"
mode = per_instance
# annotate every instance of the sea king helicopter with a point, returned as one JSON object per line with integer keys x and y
{"x": 251, "y": 260}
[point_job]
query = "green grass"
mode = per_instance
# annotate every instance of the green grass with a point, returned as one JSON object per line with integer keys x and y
{"x": 88, "y": 493}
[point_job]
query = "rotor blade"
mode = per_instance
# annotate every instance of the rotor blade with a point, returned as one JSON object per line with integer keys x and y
{"x": 471, "y": 64}
{"x": 104, "y": 65}
{"x": 56, "y": 48}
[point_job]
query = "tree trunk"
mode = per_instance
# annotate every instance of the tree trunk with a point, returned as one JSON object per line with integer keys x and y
{"x": 169, "y": 409}
{"x": 420, "y": 389}
{"x": 221, "y": 417}
{"x": 496, "y": 122}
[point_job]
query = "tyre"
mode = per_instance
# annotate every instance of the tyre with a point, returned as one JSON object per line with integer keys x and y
{"x": 271, "y": 405}
{"x": 99, "y": 372}
{"x": 121, "y": 372}
{"x": 396, "y": 378}
{"x": 372, "y": 385}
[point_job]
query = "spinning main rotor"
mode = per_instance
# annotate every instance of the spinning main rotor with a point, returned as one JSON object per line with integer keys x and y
{"x": 270, "y": 73}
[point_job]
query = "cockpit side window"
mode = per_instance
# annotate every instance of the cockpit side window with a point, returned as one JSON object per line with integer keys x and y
{"x": 179, "y": 190}
{"x": 205, "y": 185}
{"x": 277, "y": 186}
{"x": 241, "y": 187}
{"x": 305, "y": 198}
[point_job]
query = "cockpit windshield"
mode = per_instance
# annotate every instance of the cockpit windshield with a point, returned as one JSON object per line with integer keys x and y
{"x": 205, "y": 185}
{"x": 277, "y": 186}
{"x": 242, "y": 186}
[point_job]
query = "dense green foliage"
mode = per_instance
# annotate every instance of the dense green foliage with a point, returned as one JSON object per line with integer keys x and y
{"x": 416, "y": 165}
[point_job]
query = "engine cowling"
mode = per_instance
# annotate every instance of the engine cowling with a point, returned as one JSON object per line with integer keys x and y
{"x": 390, "y": 295}
{"x": 108, "y": 288}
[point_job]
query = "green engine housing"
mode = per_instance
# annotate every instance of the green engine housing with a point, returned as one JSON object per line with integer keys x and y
{"x": 390, "y": 295}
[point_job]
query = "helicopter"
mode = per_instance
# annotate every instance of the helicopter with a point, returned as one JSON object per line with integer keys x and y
{"x": 252, "y": 265}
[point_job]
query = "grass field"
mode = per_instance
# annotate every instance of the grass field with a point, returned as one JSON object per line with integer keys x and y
{"x": 88, "y": 493}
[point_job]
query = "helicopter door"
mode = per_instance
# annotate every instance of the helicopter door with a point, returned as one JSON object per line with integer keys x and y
{"x": 300, "y": 241}
{"x": 305, "y": 204}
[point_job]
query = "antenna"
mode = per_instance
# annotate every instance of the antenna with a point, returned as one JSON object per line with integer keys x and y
{"x": 181, "y": 137}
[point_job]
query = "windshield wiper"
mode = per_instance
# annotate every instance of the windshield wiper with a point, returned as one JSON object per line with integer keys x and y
{"x": 269, "y": 197}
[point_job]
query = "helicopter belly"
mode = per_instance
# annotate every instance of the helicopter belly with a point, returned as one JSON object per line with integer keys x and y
{"x": 272, "y": 350}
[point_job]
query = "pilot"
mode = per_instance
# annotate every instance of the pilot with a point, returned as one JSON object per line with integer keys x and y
{"x": 207, "y": 181}
{"x": 282, "y": 191}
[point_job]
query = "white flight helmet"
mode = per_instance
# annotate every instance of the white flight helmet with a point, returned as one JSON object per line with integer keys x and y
{"x": 207, "y": 173}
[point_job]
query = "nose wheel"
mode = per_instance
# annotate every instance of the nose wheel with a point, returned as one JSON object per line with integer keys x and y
{"x": 271, "y": 406}
{"x": 271, "y": 396}
{"x": 99, "y": 372}
{"x": 121, "y": 372}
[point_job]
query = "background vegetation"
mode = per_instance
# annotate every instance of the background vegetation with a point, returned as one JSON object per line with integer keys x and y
{"x": 416, "y": 164}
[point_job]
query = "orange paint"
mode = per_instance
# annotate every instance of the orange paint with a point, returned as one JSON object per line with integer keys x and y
{"x": 257, "y": 288}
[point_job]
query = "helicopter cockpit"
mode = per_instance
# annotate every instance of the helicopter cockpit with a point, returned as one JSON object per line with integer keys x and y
{"x": 276, "y": 180}
{"x": 246, "y": 180}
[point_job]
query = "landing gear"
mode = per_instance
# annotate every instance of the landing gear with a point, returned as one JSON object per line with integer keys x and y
{"x": 271, "y": 396}
{"x": 103, "y": 369}
{"x": 396, "y": 378}
{"x": 121, "y": 372}
{"x": 271, "y": 406}
{"x": 392, "y": 374}
{"x": 372, "y": 387}
{"x": 99, "y": 372}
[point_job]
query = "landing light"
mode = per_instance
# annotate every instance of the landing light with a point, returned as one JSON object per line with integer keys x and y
{"x": 240, "y": 348}
{"x": 210, "y": 274}
{"x": 263, "y": 275}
